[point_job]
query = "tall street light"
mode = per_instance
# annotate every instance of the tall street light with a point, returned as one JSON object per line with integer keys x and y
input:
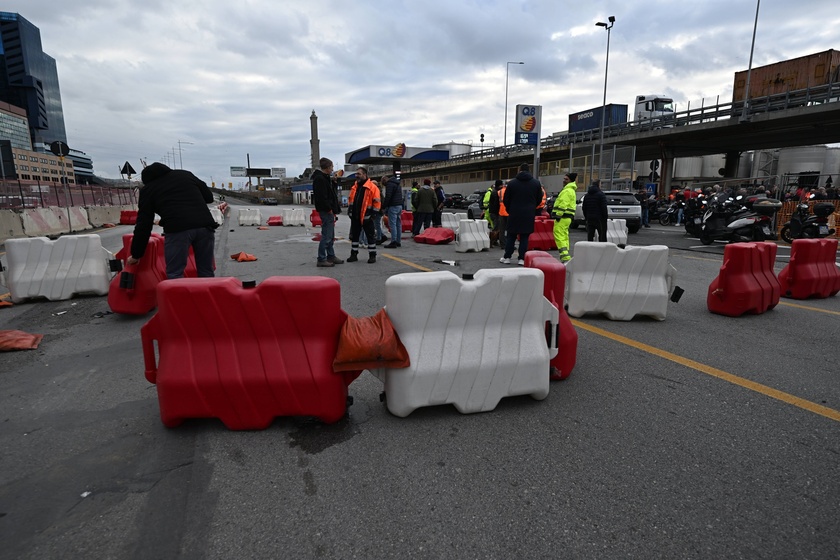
{"x": 507, "y": 73}
{"x": 180, "y": 158}
{"x": 744, "y": 116}
{"x": 608, "y": 27}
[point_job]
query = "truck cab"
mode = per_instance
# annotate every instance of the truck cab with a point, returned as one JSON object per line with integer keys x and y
{"x": 653, "y": 107}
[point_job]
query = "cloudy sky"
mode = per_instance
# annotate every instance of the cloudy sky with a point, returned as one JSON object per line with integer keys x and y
{"x": 237, "y": 78}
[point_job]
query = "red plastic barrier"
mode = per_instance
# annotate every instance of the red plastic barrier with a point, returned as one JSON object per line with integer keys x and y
{"x": 531, "y": 255}
{"x": 275, "y": 221}
{"x": 407, "y": 221}
{"x": 435, "y": 236}
{"x": 553, "y": 290}
{"x": 543, "y": 237}
{"x": 315, "y": 218}
{"x": 746, "y": 282}
{"x": 128, "y": 217}
{"x": 137, "y": 296}
{"x": 812, "y": 272}
{"x": 247, "y": 355}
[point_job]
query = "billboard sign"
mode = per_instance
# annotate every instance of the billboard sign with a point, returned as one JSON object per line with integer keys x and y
{"x": 528, "y": 124}
{"x": 237, "y": 172}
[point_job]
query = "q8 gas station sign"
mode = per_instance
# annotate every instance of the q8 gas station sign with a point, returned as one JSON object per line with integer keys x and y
{"x": 528, "y": 124}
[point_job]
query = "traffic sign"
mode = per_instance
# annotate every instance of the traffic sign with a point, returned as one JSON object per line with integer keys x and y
{"x": 59, "y": 148}
{"x": 127, "y": 170}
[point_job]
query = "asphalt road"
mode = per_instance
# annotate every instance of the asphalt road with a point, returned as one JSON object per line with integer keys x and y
{"x": 700, "y": 436}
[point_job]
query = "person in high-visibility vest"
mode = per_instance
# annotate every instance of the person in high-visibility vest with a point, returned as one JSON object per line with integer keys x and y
{"x": 501, "y": 223}
{"x": 563, "y": 213}
{"x": 485, "y": 205}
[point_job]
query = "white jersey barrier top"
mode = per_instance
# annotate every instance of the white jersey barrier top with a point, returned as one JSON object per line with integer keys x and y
{"x": 293, "y": 216}
{"x": 250, "y": 217}
{"x": 620, "y": 283}
{"x": 470, "y": 342}
{"x": 472, "y": 235}
{"x": 452, "y": 221}
{"x": 57, "y": 270}
{"x": 617, "y": 232}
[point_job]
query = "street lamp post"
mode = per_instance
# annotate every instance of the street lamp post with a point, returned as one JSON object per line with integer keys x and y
{"x": 507, "y": 73}
{"x": 608, "y": 27}
{"x": 744, "y": 116}
{"x": 180, "y": 158}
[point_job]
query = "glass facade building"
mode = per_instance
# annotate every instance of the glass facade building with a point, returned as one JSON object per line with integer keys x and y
{"x": 29, "y": 79}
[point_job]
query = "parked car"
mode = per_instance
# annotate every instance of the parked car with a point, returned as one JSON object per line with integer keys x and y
{"x": 268, "y": 201}
{"x": 453, "y": 200}
{"x": 621, "y": 205}
{"x": 474, "y": 211}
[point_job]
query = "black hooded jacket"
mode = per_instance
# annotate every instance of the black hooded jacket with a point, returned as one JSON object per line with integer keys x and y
{"x": 323, "y": 193}
{"x": 178, "y": 196}
{"x": 595, "y": 205}
{"x": 522, "y": 196}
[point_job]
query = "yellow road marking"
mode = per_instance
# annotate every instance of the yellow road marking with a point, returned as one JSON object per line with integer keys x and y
{"x": 405, "y": 262}
{"x": 829, "y": 413}
{"x": 796, "y": 305}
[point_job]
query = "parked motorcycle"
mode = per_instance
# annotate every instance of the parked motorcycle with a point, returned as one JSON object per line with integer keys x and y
{"x": 735, "y": 219}
{"x": 804, "y": 225}
{"x": 693, "y": 215}
{"x": 670, "y": 215}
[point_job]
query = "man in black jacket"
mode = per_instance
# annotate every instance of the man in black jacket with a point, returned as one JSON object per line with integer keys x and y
{"x": 522, "y": 196}
{"x": 595, "y": 212}
{"x": 326, "y": 204}
{"x": 181, "y": 199}
{"x": 392, "y": 203}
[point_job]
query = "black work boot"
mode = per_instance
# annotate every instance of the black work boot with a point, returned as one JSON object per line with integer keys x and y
{"x": 354, "y": 256}
{"x": 372, "y": 258}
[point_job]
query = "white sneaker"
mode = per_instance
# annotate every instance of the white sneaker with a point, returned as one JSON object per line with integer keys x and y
{"x": 504, "y": 260}
{"x": 521, "y": 262}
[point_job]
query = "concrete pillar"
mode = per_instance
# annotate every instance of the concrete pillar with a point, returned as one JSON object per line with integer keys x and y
{"x": 732, "y": 161}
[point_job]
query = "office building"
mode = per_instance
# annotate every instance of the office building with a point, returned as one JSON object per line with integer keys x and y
{"x": 29, "y": 79}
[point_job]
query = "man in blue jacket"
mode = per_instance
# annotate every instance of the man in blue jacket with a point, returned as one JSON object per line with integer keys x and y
{"x": 595, "y": 212}
{"x": 392, "y": 203}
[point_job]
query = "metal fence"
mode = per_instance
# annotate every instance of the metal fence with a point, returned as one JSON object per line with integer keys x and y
{"x": 19, "y": 195}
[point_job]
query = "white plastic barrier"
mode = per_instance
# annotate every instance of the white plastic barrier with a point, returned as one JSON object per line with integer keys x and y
{"x": 616, "y": 232}
{"x": 620, "y": 283}
{"x": 218, "y": 217}
{"x": 56, "y": 270}
{"x": 293, "y": 216}
{"x": 472, "y": 235}
{"x": 470, "y": 342}
{"x": 250, "y": 217}
{"x": 452, "y": 221}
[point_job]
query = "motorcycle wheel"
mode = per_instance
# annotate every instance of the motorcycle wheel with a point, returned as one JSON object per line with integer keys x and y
{"x": 785, "y": 235}
{"x": 705, "y": 238}
{"x": 664, "y": 219}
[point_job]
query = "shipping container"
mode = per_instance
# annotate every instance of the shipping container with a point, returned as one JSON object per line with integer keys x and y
{"x": 591, "y": 118}
{"x": 797, "y": 73}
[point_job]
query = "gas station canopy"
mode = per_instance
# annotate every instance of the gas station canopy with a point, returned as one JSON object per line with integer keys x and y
{"x": 395, "y": 155}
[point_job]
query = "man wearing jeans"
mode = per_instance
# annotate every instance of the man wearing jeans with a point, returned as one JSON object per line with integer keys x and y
{"x": 326, "y": 204}
{"x": 392, "y": 202}
{"x": 181, "y": 199}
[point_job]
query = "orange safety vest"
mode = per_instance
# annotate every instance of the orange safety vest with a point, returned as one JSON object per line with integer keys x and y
{"x": 371, "y": 202}
{"x": 541, "y": 205}
{"x": 502, "y": 210}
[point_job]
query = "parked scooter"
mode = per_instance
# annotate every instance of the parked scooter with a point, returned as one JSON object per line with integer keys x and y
{"x": 670, "y": 215}
{"x": 735, "y": 219}
{"x": 695, "y": 208}
{"x": 804, "y": 225}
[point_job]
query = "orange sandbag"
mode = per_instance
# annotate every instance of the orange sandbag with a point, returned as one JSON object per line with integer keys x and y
{"x": 262, "y": 228}
{"x": 4, "y": 303}
{"x": 243, "y": 257}
{"x": 369, "y": 343}
{"x": 19, "y": 340}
